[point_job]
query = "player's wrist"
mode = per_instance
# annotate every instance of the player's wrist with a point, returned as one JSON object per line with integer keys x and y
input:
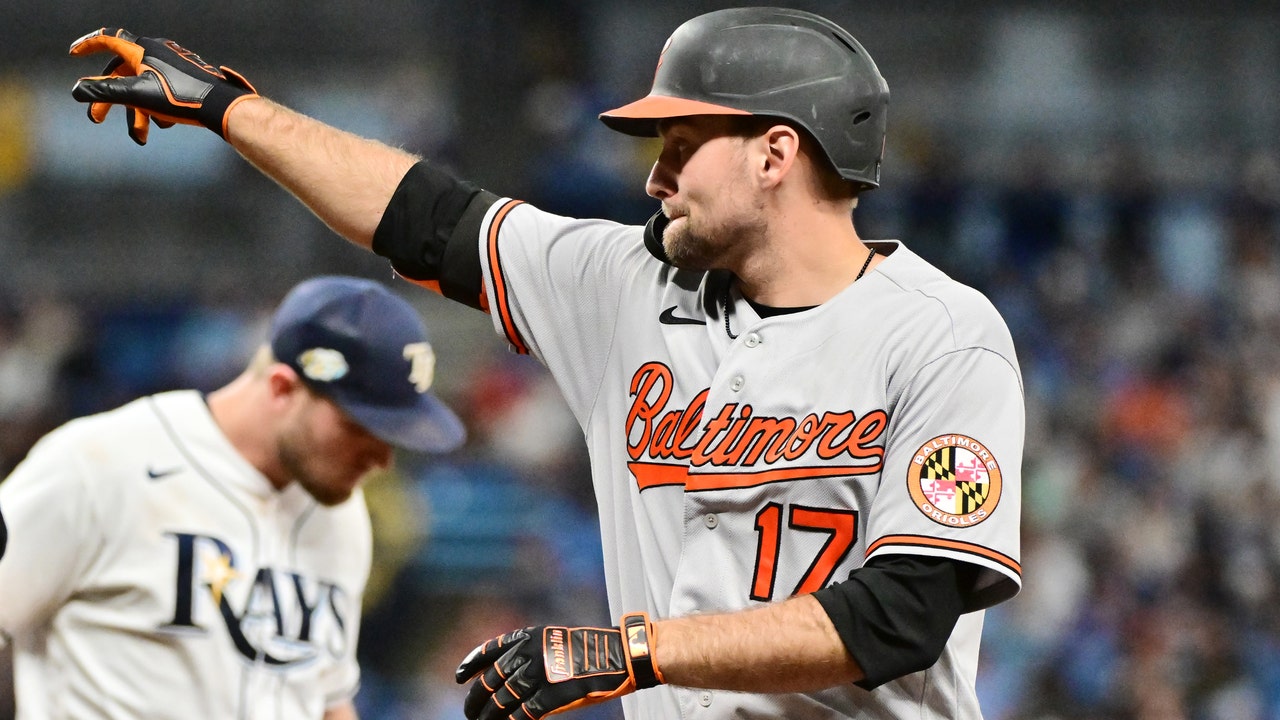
{"x": 217, "y": 106}
{"x": 250, "y": 117}
{"x": 639, "y": 638}
{"x": 222, "y": 97}
{"x": 224, "y": 129}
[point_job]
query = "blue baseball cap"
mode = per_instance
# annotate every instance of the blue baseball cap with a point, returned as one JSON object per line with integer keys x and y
{"x": 358, "y": 344}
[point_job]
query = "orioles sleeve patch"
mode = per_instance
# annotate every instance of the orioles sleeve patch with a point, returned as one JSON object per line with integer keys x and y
{"x": 954, "y": 480}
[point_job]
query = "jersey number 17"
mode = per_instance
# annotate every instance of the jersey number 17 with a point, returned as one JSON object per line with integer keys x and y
{"x": 840, "y": 526}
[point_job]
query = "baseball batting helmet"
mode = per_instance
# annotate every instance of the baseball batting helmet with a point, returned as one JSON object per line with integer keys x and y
{"x": 773, "y": 62}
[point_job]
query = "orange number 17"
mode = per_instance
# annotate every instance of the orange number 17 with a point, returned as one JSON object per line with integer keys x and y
{"x": 841, "y": 527}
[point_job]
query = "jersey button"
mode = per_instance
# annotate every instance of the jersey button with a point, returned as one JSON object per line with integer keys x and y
{"x": 752, "y": 340}
{"x": 710, "y": 520}
{"x": 704, "y": 698}
{"x": 737, "y": 383}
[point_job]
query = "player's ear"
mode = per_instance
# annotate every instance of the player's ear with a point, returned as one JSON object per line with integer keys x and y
{"x": 282, "y": 381}
{"x": 780, "y": 146}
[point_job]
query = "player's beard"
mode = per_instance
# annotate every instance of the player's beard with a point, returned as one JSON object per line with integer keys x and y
{"x": 696, "y": 244}
{"x": 325, "y": 493}
{"x": 715, "y": 227}
{"x": 308, "y": 468}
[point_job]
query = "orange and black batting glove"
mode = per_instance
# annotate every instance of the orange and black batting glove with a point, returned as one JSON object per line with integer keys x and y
{"x": 157, "y": 79}
{"x": 539, "y": 671}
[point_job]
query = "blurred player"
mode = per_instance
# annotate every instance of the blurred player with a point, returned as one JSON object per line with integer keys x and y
{"x": 190, "y": 556}
{"x": 805, "y": 447}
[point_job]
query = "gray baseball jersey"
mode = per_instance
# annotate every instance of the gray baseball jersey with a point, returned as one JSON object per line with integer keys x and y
{"x": 739, "y": 460}
{"x": 154, "y": 573}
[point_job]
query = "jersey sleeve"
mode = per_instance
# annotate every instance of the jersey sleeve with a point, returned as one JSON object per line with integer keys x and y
{"x": 554, "y": 287}
{"x": 53, "y": 522}
{"x": 952, "y": 476}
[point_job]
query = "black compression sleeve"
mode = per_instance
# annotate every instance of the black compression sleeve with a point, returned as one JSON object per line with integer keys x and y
{"x": 429, "y": 231}
{"x": 896, "y": 614}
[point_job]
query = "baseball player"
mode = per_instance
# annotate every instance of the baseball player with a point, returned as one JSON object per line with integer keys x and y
{"x": 190, "y": 556}
{"x": 805, "y": 446}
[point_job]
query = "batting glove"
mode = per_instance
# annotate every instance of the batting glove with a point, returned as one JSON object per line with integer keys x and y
{"x": 157, "y": 79}
{"x": 538, "y": 671}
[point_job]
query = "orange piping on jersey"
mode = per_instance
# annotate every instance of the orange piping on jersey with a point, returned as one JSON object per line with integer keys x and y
{"x": 500, "y": 282}
{"x": 659, "y": 474}
{"x": 932, "y": 542}
{"x": 432, "y": 285}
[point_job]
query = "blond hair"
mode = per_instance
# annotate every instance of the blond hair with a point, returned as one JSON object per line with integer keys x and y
{"x": 261, "y": 361}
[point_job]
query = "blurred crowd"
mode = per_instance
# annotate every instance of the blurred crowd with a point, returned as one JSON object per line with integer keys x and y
{"x": 1147, "y": 321}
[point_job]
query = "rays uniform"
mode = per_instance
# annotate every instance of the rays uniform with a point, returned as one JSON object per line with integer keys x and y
{"x": 739, "y": 459}
{"x": 185, "y": 585}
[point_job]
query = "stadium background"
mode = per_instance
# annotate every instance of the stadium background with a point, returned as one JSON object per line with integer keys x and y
{"x": 1107, "y": 172}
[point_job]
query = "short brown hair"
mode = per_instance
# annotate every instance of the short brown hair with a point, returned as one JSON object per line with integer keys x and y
{"x": 830, "y": 184}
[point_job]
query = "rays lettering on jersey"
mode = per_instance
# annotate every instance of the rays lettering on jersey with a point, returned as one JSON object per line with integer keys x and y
{"x": 283, "y": 619}
{"x": 758, "y": 448}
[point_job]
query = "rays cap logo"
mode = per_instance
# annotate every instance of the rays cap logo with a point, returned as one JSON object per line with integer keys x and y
{"x": 357, "y": 343}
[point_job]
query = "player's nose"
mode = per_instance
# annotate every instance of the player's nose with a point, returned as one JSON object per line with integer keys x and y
{"x": 661, "y": 183}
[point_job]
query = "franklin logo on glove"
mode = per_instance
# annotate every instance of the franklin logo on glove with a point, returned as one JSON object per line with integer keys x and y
{"x": 557, "y": 655}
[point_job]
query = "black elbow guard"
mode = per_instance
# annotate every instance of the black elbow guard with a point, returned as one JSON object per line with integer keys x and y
{"x": 429, "y": 231}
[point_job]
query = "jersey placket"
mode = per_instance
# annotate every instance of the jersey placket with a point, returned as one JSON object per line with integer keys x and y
{"x": 706, "y": 534}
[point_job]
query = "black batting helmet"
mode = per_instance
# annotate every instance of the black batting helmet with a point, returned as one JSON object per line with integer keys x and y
{"x": 774, "y": 62}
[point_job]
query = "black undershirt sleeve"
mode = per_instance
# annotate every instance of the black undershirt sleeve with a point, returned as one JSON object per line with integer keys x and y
{"x": 429, "y": 231}
{"x": 896, "y": 613}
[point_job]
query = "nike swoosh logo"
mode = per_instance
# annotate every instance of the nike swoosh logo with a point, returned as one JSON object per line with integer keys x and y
{"x": 158, "y": 474}
{"x": 669, "y": 317}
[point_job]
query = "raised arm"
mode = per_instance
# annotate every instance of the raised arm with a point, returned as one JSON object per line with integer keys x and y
{"x": 345, "y": 179}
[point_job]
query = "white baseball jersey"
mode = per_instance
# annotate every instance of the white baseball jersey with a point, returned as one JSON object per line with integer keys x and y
{"x": 740, "y": 464}
{"x": 154, "y": 573}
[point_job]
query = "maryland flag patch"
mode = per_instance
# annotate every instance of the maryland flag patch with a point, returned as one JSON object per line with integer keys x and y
{"x": 954, "y": 480}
